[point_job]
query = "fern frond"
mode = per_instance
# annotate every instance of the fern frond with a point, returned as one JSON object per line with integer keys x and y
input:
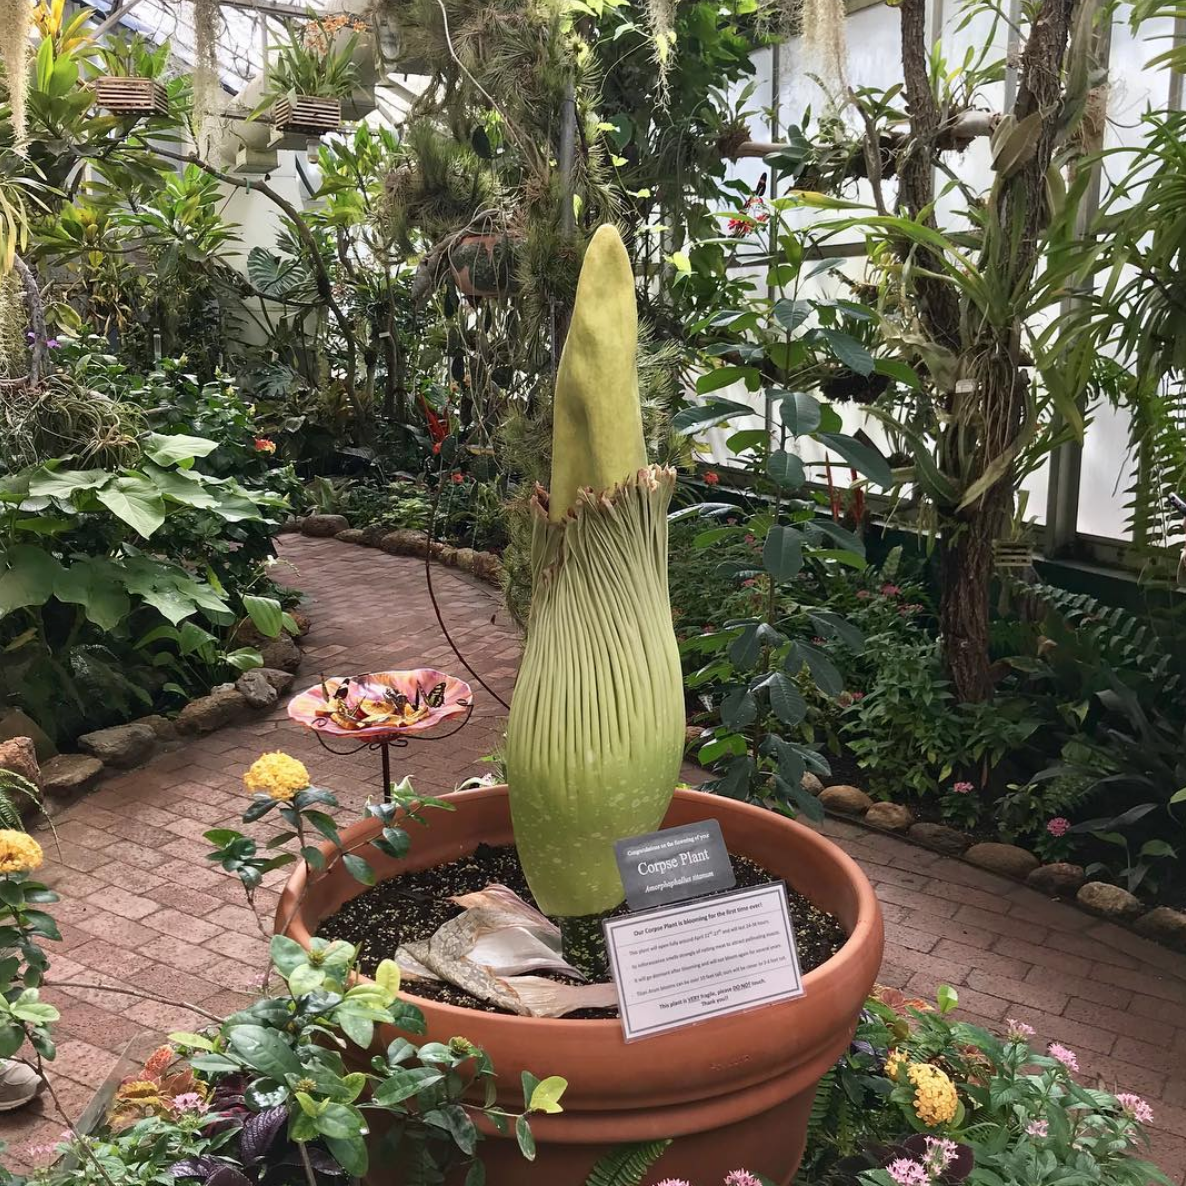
{"x": 13, "y": 785}
{"x": 1122, "y": 639}
{"x": 625, "y": 1165}
{"x": 821, "y": 1108}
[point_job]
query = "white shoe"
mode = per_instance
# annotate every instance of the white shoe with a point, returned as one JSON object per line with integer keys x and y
{"x": 19, "y": 1084}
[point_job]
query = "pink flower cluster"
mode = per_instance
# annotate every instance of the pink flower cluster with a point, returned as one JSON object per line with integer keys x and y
{"x": 1058, "y": 826}
{"x": 1135, "y": 1107}
{"x": 1038, "y": 1128}
{"x": 939, "y": 1154}
{"x": 907, "y": 1172}
{"x": 962, "y": 788}
{"x": 732, "y": 1178}
{"x": 1068, "y": 1058}
{"x": 1018, "y": 1031}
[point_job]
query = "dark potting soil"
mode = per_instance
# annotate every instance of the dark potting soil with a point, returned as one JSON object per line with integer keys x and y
{"x": 413, "y": 906}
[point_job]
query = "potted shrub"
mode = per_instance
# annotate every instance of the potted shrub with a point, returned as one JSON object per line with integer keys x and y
{"x": 594, "y": 744}
{"x": 310, "y": 75}
{"x": 130, "y": 83}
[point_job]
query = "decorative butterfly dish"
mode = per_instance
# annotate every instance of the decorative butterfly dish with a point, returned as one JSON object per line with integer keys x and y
{"x": 381, "y": 703}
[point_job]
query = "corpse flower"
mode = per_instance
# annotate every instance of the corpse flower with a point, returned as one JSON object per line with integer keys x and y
{"x": 379, "y": 704}
{"x": 596, "y": 730}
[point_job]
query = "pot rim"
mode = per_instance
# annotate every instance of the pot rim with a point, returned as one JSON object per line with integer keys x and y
{"x": 866, "y": 929}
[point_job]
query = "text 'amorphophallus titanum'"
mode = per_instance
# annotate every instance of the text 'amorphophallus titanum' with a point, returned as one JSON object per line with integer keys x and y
{"x": 596, "y": 729}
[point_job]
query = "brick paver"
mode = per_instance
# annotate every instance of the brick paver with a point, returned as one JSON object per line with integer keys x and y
{"x": 141, "y": 909}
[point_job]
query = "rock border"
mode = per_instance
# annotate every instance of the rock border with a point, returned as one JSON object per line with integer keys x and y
{"x": 104, "y": 753}
{"x": 486, "y": 566}
{"x": 1058, "y": 880}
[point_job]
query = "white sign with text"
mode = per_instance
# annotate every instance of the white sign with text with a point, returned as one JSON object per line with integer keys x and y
{"x": 682, "y": 964}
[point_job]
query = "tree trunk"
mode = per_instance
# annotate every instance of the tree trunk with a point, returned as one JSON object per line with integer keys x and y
{"x": 966, "y": 568}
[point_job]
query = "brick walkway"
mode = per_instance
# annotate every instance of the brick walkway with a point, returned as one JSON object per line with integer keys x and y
{"x": 142, "y": 907}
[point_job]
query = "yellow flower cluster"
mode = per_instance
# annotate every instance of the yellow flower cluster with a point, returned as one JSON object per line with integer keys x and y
{"x": 277, "y": 775}
{"x": 19, "y": 852}
{"x": 894, "y": 1061}
{"x": 935, "y": 1100}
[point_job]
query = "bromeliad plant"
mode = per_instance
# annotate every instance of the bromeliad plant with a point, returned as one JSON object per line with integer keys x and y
{"x": 596, "y": 728}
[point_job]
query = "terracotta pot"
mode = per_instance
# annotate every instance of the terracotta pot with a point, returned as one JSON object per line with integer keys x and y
{"x": 483, "y": 265}
{"x": 733, "y": 1091}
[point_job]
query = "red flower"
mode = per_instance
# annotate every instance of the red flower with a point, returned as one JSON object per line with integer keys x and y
{"x": 458, "y": 477}
{"x": 437, "y": 447}
{"x": 264, "y": 445}
{"x": 712, "y": 477}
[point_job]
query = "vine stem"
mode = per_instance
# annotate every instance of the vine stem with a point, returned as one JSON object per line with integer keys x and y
{"x": 78, "y": 1140}
{"x": 140, "y": 994}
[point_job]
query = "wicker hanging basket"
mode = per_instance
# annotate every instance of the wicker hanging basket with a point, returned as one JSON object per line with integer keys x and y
{"x": 131, "y": 96}
{"x": 308, "y": 115}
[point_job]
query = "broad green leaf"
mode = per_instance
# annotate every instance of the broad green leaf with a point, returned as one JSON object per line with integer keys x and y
{"x": 827, "y": 678}
{"x": 181, "y": 486}
{"x": 93, "y": 584}
{"x": 791, "y": 314}
{"x": 387, "y": 976}
{"x": 454, "y": 1120}
{"x": 403, "y": 1083}
{"x": 899, "y": 371}
{"x": 525, "y": 1139}
{"x": 799, "y": 412}
{"x": 849, "y": 351}
{"x": 711, "y": 412}
{"x": 286, "y": 953}
{"x": 782, "y": 554}
{"x": 785, "y": 699}
{"x": 177, "y": 449}
{"x": 136, "y": 501}
{"x": 342, "y": 1122}
{"x": 264, "y": 1050}
{"x": 28, "y": 576}
{"x": 65, "y": 483}
{"x": 726, "y": 376}
{"x": 547, "y": 1093}
{"x": 359, "y": 869}
{"x": 739, "y": 709}
{"x": 786, "y": 469}
{"x": 863, "y": 458}
{"x": 351, "y": 1154}
{"x": 265, "y": 613}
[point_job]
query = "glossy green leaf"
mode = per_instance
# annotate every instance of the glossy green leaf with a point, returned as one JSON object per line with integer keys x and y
{"x": 863, "y": 458}
{"x": 786, "y": 469}
{"x": 782, "y": 554}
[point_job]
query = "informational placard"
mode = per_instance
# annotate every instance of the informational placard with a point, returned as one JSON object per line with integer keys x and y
{"x": 674, "y": 864}
{"x": 682, "y": 964}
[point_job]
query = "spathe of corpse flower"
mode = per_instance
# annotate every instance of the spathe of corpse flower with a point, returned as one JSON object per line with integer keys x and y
{"x": 596, "y": 728}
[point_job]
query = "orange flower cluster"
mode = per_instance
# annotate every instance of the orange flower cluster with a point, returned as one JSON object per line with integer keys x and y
{"x": 319, "y": 35}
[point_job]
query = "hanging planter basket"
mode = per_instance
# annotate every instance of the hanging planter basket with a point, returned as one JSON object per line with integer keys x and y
{"x": 483, "y": 265}
{"x": 131, "y": 96}
{"x": 308, "y": 115}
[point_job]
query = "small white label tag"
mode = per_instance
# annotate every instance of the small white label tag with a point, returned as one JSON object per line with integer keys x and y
{"x": 682, "y": 964}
